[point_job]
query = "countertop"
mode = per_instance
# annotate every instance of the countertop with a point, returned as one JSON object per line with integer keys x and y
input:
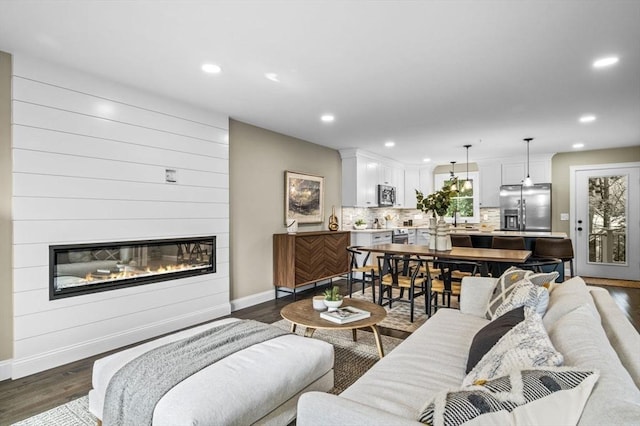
{"x": 473, "y": 231}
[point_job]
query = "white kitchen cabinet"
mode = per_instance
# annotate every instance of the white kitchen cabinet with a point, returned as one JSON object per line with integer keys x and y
{"x": 361, "y": 175}
{"x": 514, "y": 172}
{"x": 422, "y": 236}
{"x": 490, "y": 181}
{"x": 369, "y": 238}
{"x": 412, "y": 236}
{"x": 411, "y": 183}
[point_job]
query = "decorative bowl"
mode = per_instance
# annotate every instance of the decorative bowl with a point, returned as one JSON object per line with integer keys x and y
{"x": 318, "y": 303}
{"x": 332, "y": 305}
{"x": 361, "y": 227}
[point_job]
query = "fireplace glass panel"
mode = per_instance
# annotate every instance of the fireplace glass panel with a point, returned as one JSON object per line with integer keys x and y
{"x": 89, "y": 268}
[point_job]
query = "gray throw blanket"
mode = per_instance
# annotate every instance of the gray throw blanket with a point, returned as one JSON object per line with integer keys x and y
{"x": 136, "y": 388}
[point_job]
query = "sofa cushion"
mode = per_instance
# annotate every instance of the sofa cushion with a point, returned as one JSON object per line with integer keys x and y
{"x": 489, "y": 335}
{"x": 525, "y": 345}
{"x": 534, "y": 299}
{"x": 523, "y": 397}
{"x": 584, "y": 344}
{"x": 432, "y": 358}
{"x": 566, "y": 297}
{"x": 503, "y": 288}
{"x": 475, "y": 294}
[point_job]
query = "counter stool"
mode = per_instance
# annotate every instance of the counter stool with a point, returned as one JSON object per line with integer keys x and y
{"x": 560, "y": 248}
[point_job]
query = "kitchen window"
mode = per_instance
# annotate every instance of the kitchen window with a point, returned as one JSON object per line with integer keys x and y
{"x": 467, "y": 203}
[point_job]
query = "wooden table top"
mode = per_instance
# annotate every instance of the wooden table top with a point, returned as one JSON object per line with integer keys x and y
{"x": 302, "y": 313}
{"x": 460, "y": 253}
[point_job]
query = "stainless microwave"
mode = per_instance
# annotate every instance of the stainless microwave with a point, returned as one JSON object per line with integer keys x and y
{"x": 386, "y": 195}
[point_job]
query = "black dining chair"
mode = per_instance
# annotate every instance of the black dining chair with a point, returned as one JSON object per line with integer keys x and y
{"x": 367, "y": 272}
{"x": 401, "y": 273}
{"x": 445, "y": 284}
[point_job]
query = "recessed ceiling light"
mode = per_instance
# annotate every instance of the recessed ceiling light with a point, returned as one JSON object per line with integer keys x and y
{"x": 587, "y": 118}
{"x": 426, "y": 160}
{"x": 211, "y": 68}
{"x": 272, "y": 76}
{"x": 328, "y": 118}
{"x": 578, "y": 145}
{"x": 605, "y": 62}
{"x": 389, "y": 144}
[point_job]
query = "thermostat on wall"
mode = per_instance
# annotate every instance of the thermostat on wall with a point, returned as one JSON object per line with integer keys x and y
{"x": 171, "y": 175}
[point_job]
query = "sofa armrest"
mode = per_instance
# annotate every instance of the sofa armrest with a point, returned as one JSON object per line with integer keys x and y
{"x": 319, "y": 408}
{"x": 475, "y": 295}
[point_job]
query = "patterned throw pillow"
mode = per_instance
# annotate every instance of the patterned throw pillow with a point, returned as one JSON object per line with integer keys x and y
{"x": 534, "y": 299}
{"x": 488, "y": 336}
{"x": 543, "y": 279}
{"x": 506, "y": 400}
{"x": 504, "y": 286}
{"x": 525, "y": 345}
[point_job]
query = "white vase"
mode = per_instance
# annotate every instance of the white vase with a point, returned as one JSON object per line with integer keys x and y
{"x": 442, "y": 235}
{"x": 432, "y": 233}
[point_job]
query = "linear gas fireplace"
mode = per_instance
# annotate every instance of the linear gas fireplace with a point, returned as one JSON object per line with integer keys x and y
{"x": 89, "y": 268}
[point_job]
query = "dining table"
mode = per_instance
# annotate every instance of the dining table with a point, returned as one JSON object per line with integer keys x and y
{"x": 484, "y": 256}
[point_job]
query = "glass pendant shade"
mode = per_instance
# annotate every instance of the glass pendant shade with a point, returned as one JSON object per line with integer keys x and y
{"x": 468, "y": 184}
{"x": 527, "y": 181}
{"x": 454, "y": 179}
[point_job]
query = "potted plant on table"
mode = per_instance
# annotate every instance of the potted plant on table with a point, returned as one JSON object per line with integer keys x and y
{"x": 332, "y": 298}
{"x": 437, "y": 202}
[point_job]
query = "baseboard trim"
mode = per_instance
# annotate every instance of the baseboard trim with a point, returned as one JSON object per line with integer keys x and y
{"x": 265, "y": 296}
{"x": 5, "y": 369}
{"x": 254, "y": 299}
{"x": 34, "y": 364}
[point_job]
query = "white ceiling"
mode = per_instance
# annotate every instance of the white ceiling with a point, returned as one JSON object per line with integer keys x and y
{"x": 429, "y": 75}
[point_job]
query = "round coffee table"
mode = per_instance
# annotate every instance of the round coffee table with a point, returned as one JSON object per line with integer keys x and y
{"x": 302, "y": 313}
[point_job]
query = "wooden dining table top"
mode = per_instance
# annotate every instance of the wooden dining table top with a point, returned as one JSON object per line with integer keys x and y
{"x": 460, "y": 253}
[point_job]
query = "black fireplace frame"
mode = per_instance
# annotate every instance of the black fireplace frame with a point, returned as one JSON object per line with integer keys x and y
{"x": 88, "y": 288}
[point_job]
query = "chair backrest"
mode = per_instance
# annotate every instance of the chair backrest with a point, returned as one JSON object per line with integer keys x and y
{"x": 353, "y": 257}
{"x": 561, "y": 248}
{"x": 461, "y": 241}
{"x": 447, "y": 266}
{"x": 508, "y": 243}
{"x": 396, "y": 266}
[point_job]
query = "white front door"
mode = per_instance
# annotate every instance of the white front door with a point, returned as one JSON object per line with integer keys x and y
{"x": 606, "y": 220}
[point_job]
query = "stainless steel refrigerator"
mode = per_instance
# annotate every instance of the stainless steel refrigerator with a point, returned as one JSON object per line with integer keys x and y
{"x": 525, "y": 208}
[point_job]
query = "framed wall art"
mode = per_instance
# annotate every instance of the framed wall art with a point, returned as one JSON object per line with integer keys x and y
{"x": 304, "y": 197}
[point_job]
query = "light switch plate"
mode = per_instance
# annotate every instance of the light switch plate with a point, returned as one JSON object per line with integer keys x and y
{"x": 171, "y": 175}
{"x": 564, "y": 216}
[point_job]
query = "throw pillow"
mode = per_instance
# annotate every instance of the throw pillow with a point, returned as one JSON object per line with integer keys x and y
{"x": 504, "y": 286}
{"x": 489, "y": 335}
{"x": 525, "y": 345}
{"x": 543, "y": 279}
{"x": 552, "y": 395}
{"x": 534, "y": 298}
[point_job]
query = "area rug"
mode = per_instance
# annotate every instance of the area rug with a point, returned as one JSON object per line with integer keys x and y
{"x": 611, "y": 283}
{"x": 398, "y": 317}
{"x": 352, "y": 360}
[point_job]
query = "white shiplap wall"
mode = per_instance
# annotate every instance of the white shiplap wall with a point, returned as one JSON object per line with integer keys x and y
{"x": 89, "y": 160}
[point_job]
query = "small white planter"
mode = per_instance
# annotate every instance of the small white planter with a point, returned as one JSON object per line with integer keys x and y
{"x": 332, "y": 305}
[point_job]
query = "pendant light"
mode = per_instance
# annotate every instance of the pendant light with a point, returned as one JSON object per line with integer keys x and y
{"x": 454, "y": 179}
{"x": 527, "y": 181}
{"x": 468, "y": 184}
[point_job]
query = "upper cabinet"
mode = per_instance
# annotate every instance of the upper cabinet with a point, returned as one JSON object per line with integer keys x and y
{"x": 361, "y": 175}
{"x": 490, "y": 181}
{"x": 514, "y": 172}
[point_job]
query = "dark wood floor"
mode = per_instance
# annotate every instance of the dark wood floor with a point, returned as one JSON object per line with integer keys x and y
{"x": 25, "y": 397}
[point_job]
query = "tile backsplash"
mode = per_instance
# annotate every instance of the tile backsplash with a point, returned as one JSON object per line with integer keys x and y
{"x": 490, "y": 216}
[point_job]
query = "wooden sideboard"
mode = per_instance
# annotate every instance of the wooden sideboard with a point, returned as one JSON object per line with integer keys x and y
{"x": 309, "y": 257}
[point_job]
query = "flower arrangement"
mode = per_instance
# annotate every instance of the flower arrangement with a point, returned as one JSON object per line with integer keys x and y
{"x": 437, "y": 202}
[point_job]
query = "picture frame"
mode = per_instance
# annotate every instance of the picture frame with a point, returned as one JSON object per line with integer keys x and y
{"x": 304, "y": 197}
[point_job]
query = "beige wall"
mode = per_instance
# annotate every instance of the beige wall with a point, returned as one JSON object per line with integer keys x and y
{"x": 6, "y": 291}
{"x": 258, "y": 160}
{"x": 560, "y": 164}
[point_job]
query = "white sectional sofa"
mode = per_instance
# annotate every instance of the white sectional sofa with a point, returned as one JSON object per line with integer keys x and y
{"x": 583, "y": 323}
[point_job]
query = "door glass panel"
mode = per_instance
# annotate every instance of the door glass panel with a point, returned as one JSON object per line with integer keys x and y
{"x": 608, "y": 219}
